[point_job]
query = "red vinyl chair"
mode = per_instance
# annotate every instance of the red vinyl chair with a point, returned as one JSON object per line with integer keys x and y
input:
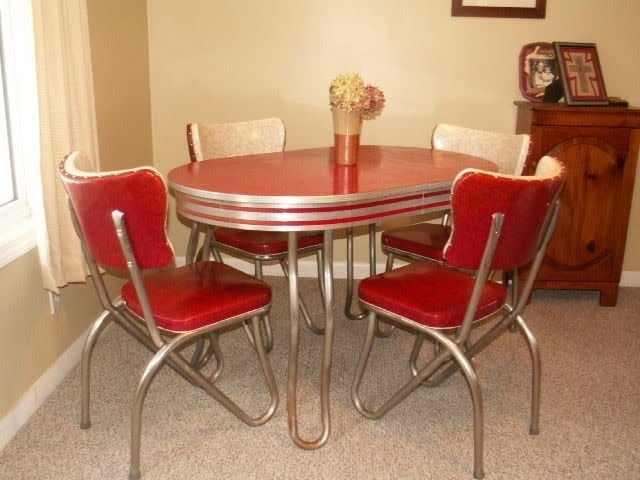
{"x": 120, "y": 218}
{"x": 499, "y": 222}
{"x": 267, "y": 135}
{"x": 425, "y": 241}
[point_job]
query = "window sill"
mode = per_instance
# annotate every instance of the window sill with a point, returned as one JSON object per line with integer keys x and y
{"x": 16, "y": 241}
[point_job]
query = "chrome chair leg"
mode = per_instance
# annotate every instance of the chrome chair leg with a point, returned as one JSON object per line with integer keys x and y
{"x": 215, "y": 348}
{"x": 205, "y": 249}
{"x": 192, "y": 246}
{"x": 534, "y": 429}
{"x": 350, "y": 280}
{"x": 434, "y": 380}
{"x": 472, "y": 350}
{"x": 390, "y": 258}
{"x": 166, "y": 352}
{"x": 380, "y": 332}
{"x": 200, "y": 357}
{"x": 513, "y": 284}
{"x": 415, "y": 351}
{"x": 211, "y": 241}
{"x": 450, "y": 349}
{"x": 85, "y": 367}
{"x": 350, "y": 276}
{"x": 372, "y": 249}
{"x": 266, "y": 323}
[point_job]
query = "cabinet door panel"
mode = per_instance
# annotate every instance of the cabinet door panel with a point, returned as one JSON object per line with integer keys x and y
{"x": 586, "y": 236}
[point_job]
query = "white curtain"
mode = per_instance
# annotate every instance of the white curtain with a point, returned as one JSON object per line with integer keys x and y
{"x": 67, "y": 122}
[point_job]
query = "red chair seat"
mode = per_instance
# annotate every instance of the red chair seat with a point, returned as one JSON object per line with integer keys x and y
{"x": 423, "y": 239}
{"x": 429, "y": 294}
{"x": 264, "y": 243}
{"x": 197, "y": 295}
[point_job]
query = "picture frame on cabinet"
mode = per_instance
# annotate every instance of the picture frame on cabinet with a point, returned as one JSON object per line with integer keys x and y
{"x": 581, "y": 74}
{"x": 537, "y": 69}
{"x": 499, "y": 8}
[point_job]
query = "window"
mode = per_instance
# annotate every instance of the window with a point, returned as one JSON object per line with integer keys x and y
{"x": 19, "y": 132}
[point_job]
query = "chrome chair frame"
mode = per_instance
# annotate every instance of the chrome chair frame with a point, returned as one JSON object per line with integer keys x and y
{"x": 166, "y": 345}
{"x": 455, "y": 351}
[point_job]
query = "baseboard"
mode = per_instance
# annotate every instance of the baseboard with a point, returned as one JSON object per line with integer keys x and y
{"x": 630, "y": 279}
{"x": 307, "y": 268}
{"x": 40, "y": 391}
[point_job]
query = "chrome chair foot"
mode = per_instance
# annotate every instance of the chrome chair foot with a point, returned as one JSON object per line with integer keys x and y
{"x": 479, "y": 475}
{"x": 382, "y": 333}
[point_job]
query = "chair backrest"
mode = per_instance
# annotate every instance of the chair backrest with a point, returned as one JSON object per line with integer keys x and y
{"x": 140, "y": 193}
{"x": 526, "y": 203}
{"x": 508, "y": 151}
{"x": 217, "y": 140}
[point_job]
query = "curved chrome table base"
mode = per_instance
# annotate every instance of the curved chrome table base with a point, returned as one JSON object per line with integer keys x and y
{"x": 294, "y": 342}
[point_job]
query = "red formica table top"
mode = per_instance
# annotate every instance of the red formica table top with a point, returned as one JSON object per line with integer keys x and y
{"x": 305, "y": 190}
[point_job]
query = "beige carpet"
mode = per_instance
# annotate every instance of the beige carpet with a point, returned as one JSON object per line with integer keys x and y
{"x": 590, "y": 420}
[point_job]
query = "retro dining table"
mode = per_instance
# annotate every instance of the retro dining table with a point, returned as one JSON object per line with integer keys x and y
{"x": 303, "y": 190}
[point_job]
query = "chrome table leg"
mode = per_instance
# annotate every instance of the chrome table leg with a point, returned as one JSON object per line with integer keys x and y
{"x": 294, "y": 337}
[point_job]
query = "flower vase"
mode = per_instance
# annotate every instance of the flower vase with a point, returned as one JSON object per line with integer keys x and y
{"x": 345, "y": 179}
{"x": 346, "y": 136}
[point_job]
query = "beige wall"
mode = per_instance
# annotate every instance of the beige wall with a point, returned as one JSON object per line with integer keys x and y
{"x": 235, "y": 60}
{"x": 120, "y": 59}
{"x": 31, "y": 339}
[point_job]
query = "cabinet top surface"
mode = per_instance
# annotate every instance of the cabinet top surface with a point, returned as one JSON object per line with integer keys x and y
{"x": 577, "y": 116}
{"x": 577, "y": 108}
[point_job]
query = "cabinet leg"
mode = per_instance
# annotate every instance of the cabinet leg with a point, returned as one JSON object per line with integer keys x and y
{"x": 609, "y": 295}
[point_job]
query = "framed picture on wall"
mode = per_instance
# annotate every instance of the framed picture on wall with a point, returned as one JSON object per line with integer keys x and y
{"x": 499, "y": 8}
{"x": 537, "y": 69}
{"x": 581, "y": 75}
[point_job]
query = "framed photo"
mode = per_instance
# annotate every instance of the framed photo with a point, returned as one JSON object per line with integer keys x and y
{"x": 499, "y": 8}
{"x": 581, "y": 75}
{"x": 538, "y": 68}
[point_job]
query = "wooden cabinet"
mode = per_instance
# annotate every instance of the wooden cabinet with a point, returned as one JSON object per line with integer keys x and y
{"x": 599, "y": 147}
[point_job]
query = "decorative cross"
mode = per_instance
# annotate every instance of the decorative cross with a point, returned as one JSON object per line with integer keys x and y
{"x": 583, "y": 71}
